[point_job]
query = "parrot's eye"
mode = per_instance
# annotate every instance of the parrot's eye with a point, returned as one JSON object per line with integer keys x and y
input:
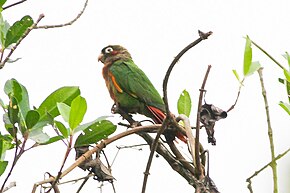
{"x": 108, "y": 50}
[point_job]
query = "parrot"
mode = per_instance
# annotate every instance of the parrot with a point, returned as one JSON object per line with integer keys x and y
{"x": 129, "y": 87}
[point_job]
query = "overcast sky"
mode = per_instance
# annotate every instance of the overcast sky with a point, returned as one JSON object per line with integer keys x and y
{"x": 154, "y": 32}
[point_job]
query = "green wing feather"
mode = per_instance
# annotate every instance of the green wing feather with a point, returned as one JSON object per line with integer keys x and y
{"x": 134, "y": 82}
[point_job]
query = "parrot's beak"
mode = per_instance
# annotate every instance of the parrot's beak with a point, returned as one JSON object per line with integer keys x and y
{"x": 100, "y": 57}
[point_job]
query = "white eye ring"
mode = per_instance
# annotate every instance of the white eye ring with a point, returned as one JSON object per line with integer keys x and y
{"x": 108, "y": 50}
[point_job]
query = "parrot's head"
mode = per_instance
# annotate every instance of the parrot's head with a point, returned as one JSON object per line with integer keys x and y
{"x": 112, "y": 53}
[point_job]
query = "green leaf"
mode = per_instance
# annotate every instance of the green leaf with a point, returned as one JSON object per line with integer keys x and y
{"x": 247, "y": 56}
{"x": 2, "y": 104}
{"x": 236, "y": 75}
{"x": 184, "y": 103}
{"x": 287, "y": 57}
{"x": 4, "y": 26}
{"x": 17, "y": 30}
{"x": 13, "y": 111}
{"x": 61, "y": 95}
{"x": 14, "y": 88}
{"x": 64, "y": 110}
{"x": 9, "y": 125}
{"x": 287, "y": 74}
{"x": 2, "y": 2}
{"x": 3, "y": 165}
{"x": 63, "y": 130}
{"x": 38, "y": 136}
{"x": 6, "y": 143}
{"x": 285, "y": 106}
{"x": 96, "y": 132}
{"x": 287, "y": 84}
{"x": 254, "y": 67}
{"x": 52, "y": 140}
{"x": 77, "y": 112}
{"x": 87, "y": 125}
{"x": 32, "y": 118}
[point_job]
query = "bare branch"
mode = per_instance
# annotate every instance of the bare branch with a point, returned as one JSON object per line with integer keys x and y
{"x": 169, "y": 117}
{"x": 197, "y": 155}
{"x": 202, "y": 36}
{"x": 238, "y": 95}
{"x": 98, "y": 147}
{"x": 17, "y": 3}
{"x": 65, "y": 24}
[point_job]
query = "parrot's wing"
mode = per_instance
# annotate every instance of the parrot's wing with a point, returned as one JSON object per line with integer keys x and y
{"x": 134, "y": 81}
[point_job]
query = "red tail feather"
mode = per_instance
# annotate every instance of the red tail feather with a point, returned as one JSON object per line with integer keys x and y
{"x": 158, "y": 118}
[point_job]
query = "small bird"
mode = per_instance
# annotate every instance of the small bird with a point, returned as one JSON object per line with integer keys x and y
{"x": 129, "y": 86}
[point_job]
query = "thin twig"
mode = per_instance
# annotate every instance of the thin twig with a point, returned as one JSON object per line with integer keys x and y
{"x": 237, "y": 98}
{"x": 17, "y": 3}
{"x": 200, "y": 173}
{"x": 270, "y": 132}
{"x": 2, "y": 64}
{"x": 267, "y": 54}
{"x": 65, "y": 24}
{"x": 152, "y": 151}
{"x": 17, "y": 156}
{"x": 264, "y": 167}
{"x": 11, "y": 185}
{"x": 69, "y": 147}
{"x": 98, "y": 147}
{"x": 179, "y": 157}
{"x": 174, "y": 162}
{"x": 84, "y": 182}
{"x": 203, "y": 36}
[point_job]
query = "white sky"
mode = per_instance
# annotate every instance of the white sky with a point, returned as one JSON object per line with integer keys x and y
{"x": 154, "y": 32}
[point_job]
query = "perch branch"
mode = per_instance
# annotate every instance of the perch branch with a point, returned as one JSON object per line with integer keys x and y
{"x": 169, "y": 118}
{"x": 95, "y": 149}
{"x": 65, "y": 24}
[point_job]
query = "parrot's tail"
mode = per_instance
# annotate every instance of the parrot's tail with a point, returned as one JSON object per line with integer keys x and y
{"x": 159, "y": 116}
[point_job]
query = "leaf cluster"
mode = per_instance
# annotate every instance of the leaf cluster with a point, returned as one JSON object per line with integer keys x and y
{"x": 24, "y": 123}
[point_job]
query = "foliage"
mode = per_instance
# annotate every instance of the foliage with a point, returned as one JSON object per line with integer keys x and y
{"x": 23, "y": 123}
{"x": 184, "y": 103}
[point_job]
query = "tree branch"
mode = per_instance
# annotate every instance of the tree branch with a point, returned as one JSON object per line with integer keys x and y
{"x": 264, "y": 167}
{"x": 65, "y": 24}
{"x": 169, "y": 119}
{"x": 270, "y": 132}
{"x": 200, "y": 172}
{"x": 202, "y": 36}
{"x": 2, "y": 64}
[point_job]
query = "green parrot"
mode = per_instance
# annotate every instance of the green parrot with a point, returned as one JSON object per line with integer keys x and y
{"x": 129, "y": 86}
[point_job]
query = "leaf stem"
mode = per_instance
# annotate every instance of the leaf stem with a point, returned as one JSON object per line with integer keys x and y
{"x": 267, "y": 54}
